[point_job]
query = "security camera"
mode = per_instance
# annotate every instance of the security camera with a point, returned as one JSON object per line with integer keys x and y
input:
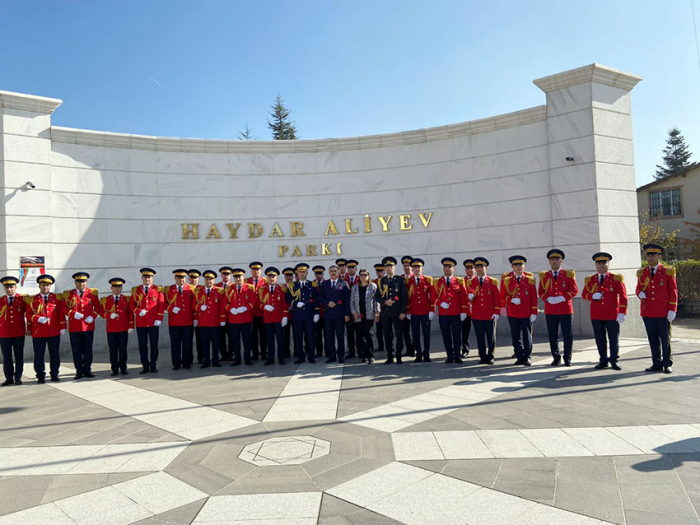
{"x": 569, "y": 159}
{"x": 30, "y": 185}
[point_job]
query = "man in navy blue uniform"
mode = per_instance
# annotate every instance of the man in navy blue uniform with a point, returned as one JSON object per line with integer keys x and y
{"x": 335, "y": 299}
{"x": 302, "y": 297}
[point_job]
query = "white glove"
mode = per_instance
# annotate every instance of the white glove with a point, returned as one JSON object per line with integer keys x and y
{"x": 157, "y": 322}
{"x": 642, "y": 295}
{"x": 78, "y": 316}
{"x": 43, "y": 320}
{"x": 176, "y": 309}
{"x": 89, "y": 319}
{"x": 269, "y": 308}
{"x": 620, "y": 318}
{"x": 515, "y": 300}
{"x": 431, "y": 316}
{"x": 408, "y": 316}
{"x": 204, "y": 308}
{"x": 222, "y": 323}
{"x": 495, "y": 317}
{"x": 462, "y": 317}
{"x": 444, "y": 305}
{"x": 300, "y": 304}
{"x": 113, "y": 315}
{"x": 142, "y": 313}
{"x": 471, "y": 296}
{"x": 242, "y": 309}
{"x": 597, "y": 296}
{"x": 316, "y": 318}
{"x": 63, "y": 331}
{"x": 195, "y": 323}
{"x": 552, "y": 300}
{"x": 532, "y": 318}
{"x": 284, "y": 322}
{"x": 671, "y": 315}
{"x": 561, "y": 299}
{"x": 234, "y": 311}
{"x": 504, "y": 312}
{"x": 130, "y": 330}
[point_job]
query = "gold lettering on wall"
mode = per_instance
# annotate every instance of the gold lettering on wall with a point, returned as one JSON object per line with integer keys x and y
{"x": 213, "y": 233}
{"x": 326, "y": 248}
{"x": 424, "y": 220}
{"x": 368, "y": 226}
{"x": 190, "y": 230}
{"x": 348, "y": 227}
{"x": 233, "y": 229}
{"x": 338, "y": 250}
{"x": 331, "y": 228}
{"x": 282, "y": 249}
{"x": 404, "y": 225}
{"x": 297, "y": 229}
{"x": 385, "y": 222}
{"x": 276, "y": 231}
{"x": 311, "y": 250}
{"x": 296, "y": 252}
{"x": 254, "y": 230}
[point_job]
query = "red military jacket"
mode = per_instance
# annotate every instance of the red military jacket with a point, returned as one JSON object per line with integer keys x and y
{"x": 455, "y": 295}
{"x": 153, "y": 303}
{"x": 54, "y": 309}
{"x": 88, "y": 305}
{"x": 261, "y": 282}
{"x": 124, "y": 319}
{"x": 487, "y": 298}
{"x": 661, "y": 291}
{"x": 277, "y": 299}
{"x": 184, "y": 301}
{"x": 466, "y": 286}
{"x": 421, "y": 296}
{"x": 352, "y": 280}
{"x": 564, "y": 286}
{"x": 247, "y": 297}
{"x": 215, "y": 312}
{"x": 525, "y": 291}
{"x": 12, "y": 317}
{"x": 614, "y": 300}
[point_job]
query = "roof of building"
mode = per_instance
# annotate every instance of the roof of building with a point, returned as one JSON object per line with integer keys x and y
{"x": 678, "y": 173}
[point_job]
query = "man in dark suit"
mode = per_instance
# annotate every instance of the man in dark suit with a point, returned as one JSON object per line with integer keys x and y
{"x": 392, "y": 299}
{"x": 302, "y": 297}
{"x": 335, "y": 300}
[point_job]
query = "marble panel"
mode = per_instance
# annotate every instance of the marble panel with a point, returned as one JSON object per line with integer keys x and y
{"x": 27, "y": 123}
{"x": 21, "y": 148}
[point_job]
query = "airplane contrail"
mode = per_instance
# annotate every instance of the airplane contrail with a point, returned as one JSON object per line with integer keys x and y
{"x": 153, "y": 79}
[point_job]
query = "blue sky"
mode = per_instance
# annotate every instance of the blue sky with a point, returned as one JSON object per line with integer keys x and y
{"x": 344, "y": 67}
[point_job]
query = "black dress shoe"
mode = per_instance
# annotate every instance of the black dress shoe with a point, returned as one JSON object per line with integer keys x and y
{"x": 465, "y": 353}
{"x": 556, "y": 361}
{"x": 154, "y": 369}
{"x": 490, "y": 361}
{"x": 282, "y": 362}
{"x": 668, "y": 370}
{"x": 615, "y": 366}
{"x": 236, "y": 363}
{"x": 41, "y": 380}
{"x": 527, "y": 362}
{"x": 514, "y": 356}
{"x": 217, "y": 365}
{"x": 249, "y": 363}
{"x": 449, "y": 360}
{"x": 654, "y": 368}
{"x": 144, "y": 370}
{"x": 55, "y": 379}
{"x": 125, "y": 372}
{"x": 364, "y": 360}
{"x": 78, "y": 376}
{"x": 410, "y": 354}
{"x": 331, "y": 360}
{"x": 268, "y": 363}
{"x": 370, "y": 361}
{"x": 200, "y": 361}
{"x": 298, "y": 361}
{"x": 458, "y": 360}
{"x": 205, "y": 365}
{"x": 427, "y": 360}
{"x": 186, "y": 367}
{"x": 389, "y": 361}
{"x": 567, "y": 362}
{"x": 176, "y": 367}
{"x": 399, "y": 361}
{"x": 602, "y": 365}
{"x": 8, "y": 382}
{"x": 114, "y": 373}
{"x": 418, "y": 360}
{"x": 18, "y": 381}
{"x": 88, "y": 374}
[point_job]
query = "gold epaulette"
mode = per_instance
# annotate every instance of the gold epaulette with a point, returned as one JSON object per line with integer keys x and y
{"x": 133, "y": 290}
{"x": 588, "y": 278}
{"x": 618, "y": 277}
{"x": 571, "y": 274}
{"x": 670, "y": 270}
{"x": 531, "y": 279}
{"x": 406, "y": 280}
{"x": 504, "y": 275}
{"x": 28, "y": 299}
{"x": 640, "y": 272}
{"x": 314, "y": 284}
{"x": 429, "y": 279}
{"x": 103, "y": 301}
{"x": 127, "y": 297}
{"x": 94, "y": 291}
{"x": 495, "y": 281}
{"x": 285, "y": 288}
{"x": 221, "y": 291}
{"x": 542, "y": 274}
{"x": 159, "y": 288}
{"x": 529, "y": 274}
{"x": 460, "y": 280}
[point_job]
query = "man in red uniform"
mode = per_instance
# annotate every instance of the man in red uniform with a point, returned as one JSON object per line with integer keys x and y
{"x": 115, "y": 310}
{"x": 406, "y": 261}
{"x": 179, "y": 303}
{"x": 379, "y": 270}
{"x": 519, "y": 303}
{"x": 193, "y": 276}
{"x": 320, "y": 326}
{"x": 658, "y": 293}
{"x": 557, "y": 288}
{"x": 47, "y": 318}
{"x": 467, "y": 323}
{"x": 420, "y": 309}
{"x": 82, "y": 306}
{"x": 485, "y": 297}
{"x": 350, "y": 327}
{"x": 608, "y": 296}
{"x": 12, "y": 330}
{"x": 274, "y": 306}
{"x": 241, "y": 304}
{"x": 451, "y": 301}
{"x": 288, "y": 273}
{"x": 258, "y": 339}
{"x": 225, "y": 345}
{"x": 210, "y": 312}
{"x": 147, "y": 305}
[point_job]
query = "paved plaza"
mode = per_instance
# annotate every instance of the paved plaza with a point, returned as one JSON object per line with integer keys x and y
{"x": 360, "y": 444}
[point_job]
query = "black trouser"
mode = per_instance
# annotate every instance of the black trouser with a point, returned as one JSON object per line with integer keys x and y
{"x": 117, "y": 342}
{"x": 274, "y": 334}
{"x": 288, "y": 339}
{"x": 147, "y": 335}
{"x": 466, "y": 330}
{"x": 258, "y": 339}
{"x": 238, "y": 331}
{"x": 335, "y": 339}
{"x": 380, "y": 336}
{"x": 521, "y": 334}
{"x": 12, "y": 346}
{"x": 320, "y": 336}
{"x": 225, "y": 343}
{"x": 364, "y": 338}
{"x": 613, "y": 335}
{"x": 211, "y": 338}
{"x": 659, "y": 335}
{"x": 567, "y": 333}
{"x": 451, "y": 330}
{"x": 304, "y": 339}
{"x": 391, "y": 326}
{"x": 485, "y": 338}
{"x": 418, "y": 323}
{"x": 406, "y": 331}
{"x": 181, "y": 345}
{"x": 81, "y": 345}
{"x": 198, "y": 344}
{"x": 40, "y": 344}
{"x": 351, "y": 330}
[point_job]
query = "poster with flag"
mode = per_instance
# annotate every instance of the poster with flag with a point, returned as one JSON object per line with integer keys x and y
{"x": 31, "y": 267}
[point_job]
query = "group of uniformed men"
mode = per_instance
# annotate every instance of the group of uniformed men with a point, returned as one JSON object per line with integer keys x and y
{"x": 242, "y": 319}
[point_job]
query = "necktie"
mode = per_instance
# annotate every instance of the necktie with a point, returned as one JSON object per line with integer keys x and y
{"x": 481, "y": 281}
{"x": 179, "y": 290}
{"x": 417, "y": 281}
{"x": 46, "y": 299}
{"x": 272, "y": 290}
{"x": 653, "y": 271}
{"x": 239, "y": 288}
{"x": 116, "y": 299}
{"x": 333, "y": 284}
{"x": 601, "y": 279}
{"x": 11, "y": 299}
{"x": 145, "y": 289}
{"x": 302, "y": 284}
{"x": 80, "y": 292}
{"x": 555, "y": 274}
{"x": 518, "y": 280}
{"x": 448, "y": 281}
{"x": 208, "y": 290}
{"x": 256, "y": 282}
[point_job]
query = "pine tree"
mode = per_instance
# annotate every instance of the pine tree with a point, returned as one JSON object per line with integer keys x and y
{"x": 282, "y": 128}
{"x": 246, "y": 134}
{"x": 676, "y": 155}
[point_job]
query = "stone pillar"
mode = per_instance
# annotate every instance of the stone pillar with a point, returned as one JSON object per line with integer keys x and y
{"x": 591, "y": 167}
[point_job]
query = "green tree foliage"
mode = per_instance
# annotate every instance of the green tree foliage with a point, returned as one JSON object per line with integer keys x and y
{"x": 280, "y": 124}
{"x": 676, "y": 155}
